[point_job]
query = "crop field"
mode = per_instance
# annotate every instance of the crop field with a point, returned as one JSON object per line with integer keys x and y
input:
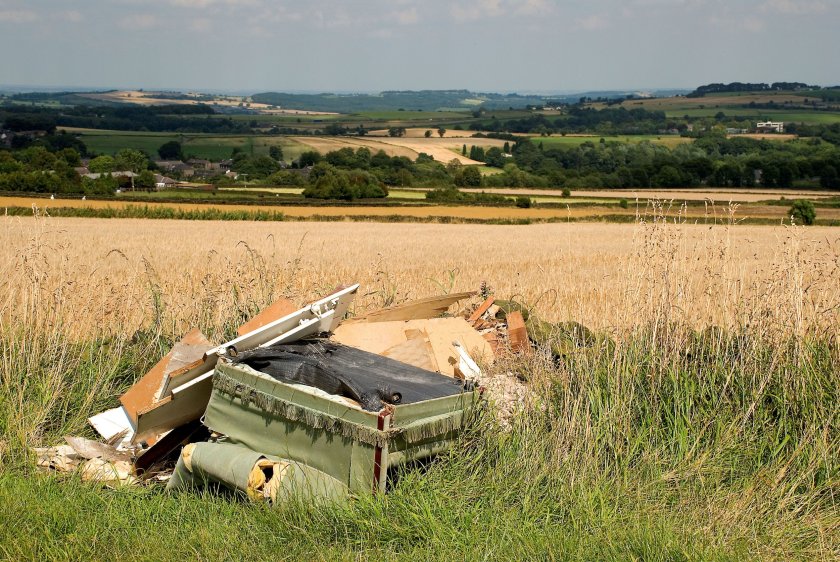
{"x": 420, "y": 211}
{"x": 700, "y": 422}
{"x": 441, "y": 149}
{"x": 575, "y": 140}
{"x": 214, "y": 147}
{"x": 722, "y": 195}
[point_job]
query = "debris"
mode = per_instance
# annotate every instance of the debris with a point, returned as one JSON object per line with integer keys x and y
{"x": 381, "y": 337}
{"x": 354, "y": 446}
{"x": 299, "y": 406}
{"x": 482, "y": 308}
{"x": 167, "y": 445}
{"x": 260, "y": 477}
{"x": 416, "y": 350}
{"x": 111, "y": 423}
{"x": 94, "y": 450}
{"x": 517, "y": 333}
{"x": 371, "y": 380}
{"x": 563, "y": 337}
{"x": 148, "y": 390}
{"x": 506, "y": 307}
{"x": 62, "y": 458}
{"x": 184, "y": 393}
{"x": 430, "y": 307}
{"x": 108, "y": 473}
{"x": 277, "y": 310}
{"x": 467, "y": 368}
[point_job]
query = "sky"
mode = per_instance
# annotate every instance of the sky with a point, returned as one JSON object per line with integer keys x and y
{"x": 374, "y": 45}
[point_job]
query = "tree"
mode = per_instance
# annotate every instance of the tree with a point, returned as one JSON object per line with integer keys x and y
{"x": 101, "y": 165}
{"x": 441, "y": 132}
{"x": 464, "y": 150}
{"x": 829, "y": 178}
{"x": 494, "y": 157}
{"x": 803, "y": 212}
{"x": 428, "y": 134}
{"x": 171, "y": 150}
{"x": 130, "y": 159}
{"x": 309, "y": 158}
{"x": 396, "y": 131}
{"x": 145, "y": 180}
{"x": 468, "y": 176}
{"x": 275, "y": 152}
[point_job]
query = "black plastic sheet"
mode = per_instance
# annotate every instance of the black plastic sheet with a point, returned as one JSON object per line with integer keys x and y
{"x": 370, "y": 379}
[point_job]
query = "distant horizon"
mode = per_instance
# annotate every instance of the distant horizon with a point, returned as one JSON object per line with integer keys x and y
{"x": 376, "y": 45}
{"x": 36, "y": 88}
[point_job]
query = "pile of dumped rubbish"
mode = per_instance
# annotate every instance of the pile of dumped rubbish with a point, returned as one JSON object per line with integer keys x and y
{"x": 304, "y": 402}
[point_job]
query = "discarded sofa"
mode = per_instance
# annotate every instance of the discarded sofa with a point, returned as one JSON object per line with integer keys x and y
{"x": 420, "y": 415}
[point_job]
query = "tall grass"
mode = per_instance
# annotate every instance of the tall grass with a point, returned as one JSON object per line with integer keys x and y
{"x": 669, "y": 438}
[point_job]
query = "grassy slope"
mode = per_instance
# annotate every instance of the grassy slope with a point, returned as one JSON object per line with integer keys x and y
{"x": 634, "y": 454}
{"x": 214, "y": 147}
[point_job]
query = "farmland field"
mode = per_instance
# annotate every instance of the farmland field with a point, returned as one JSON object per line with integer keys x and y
{"x": 575, "y": 140}
{"x": 216, "y": 147}
{"x": 441, "y": 149}
{"x": 421, "y": 211}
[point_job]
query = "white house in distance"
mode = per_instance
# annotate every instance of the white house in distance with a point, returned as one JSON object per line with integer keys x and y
{"x": 770, "y": 127}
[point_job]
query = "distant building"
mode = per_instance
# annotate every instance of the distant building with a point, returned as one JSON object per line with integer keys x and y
{"x": 163, "y": 182}
{"x": 119, "y": 174}
{"x": 770, "y": 127}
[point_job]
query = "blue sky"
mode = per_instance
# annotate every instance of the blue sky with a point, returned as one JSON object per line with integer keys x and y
{"x": 372, "y": 45}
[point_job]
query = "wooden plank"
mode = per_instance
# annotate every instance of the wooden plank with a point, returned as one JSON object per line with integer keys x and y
{"x": 421, "y": 309}
{"x": 482, "y": 308}
{"x": 146, "y": 391}
{"x": 277, "y": 310}
{"x": 517, "y": 333}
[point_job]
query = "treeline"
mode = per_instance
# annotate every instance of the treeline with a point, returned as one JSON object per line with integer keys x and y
{"x": 711, "y": 160}
{"x": 717, "y": 87}
{"x": 173, "y": 118}
{"x": 579, "y": 119}
{"x": 359, "y": 174}
{"x": 49, "y": 167}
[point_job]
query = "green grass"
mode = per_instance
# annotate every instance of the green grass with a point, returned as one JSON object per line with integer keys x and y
{"x": 667, "y": 447}
{"x": 560, "y": 141}
{"x": 818, "y": 117}
{"x": 212, "y": 147}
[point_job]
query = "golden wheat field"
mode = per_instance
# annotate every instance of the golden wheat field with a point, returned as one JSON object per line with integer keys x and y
{"x": 112, "y": 275}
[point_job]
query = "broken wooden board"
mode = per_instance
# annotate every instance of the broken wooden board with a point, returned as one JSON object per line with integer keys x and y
{"x": 380, "y": 337}
{"x": 146, "y": 391}
{"x": 429, "y": 307}
{"x": 95, "y": 450}
{"x": 416, "y": 350}
{"x": 482, "y": 308}
{"x": 277, "y": 310}
{"x": 517, "y": 334}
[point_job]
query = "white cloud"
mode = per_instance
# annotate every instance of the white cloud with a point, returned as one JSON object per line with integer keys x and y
{"x": 17, "y": 16}
{"x": 201, "y": 25}
{"x": 407, "y": 17}
{"x": 592, "y": 23}
{"x": 139, "y": 21}
{"x": 208, "y": 3}
{"x": 71, "y": 16}
{"x": 477, "y": 10}
{"x": 533, "y": 7}
{"x": 796, "y": 7}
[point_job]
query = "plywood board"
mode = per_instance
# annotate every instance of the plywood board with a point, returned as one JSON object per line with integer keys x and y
{"x": 429, "y": 307}
{"x": 146, "y": 391}
{"x": 380, "y": 337}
